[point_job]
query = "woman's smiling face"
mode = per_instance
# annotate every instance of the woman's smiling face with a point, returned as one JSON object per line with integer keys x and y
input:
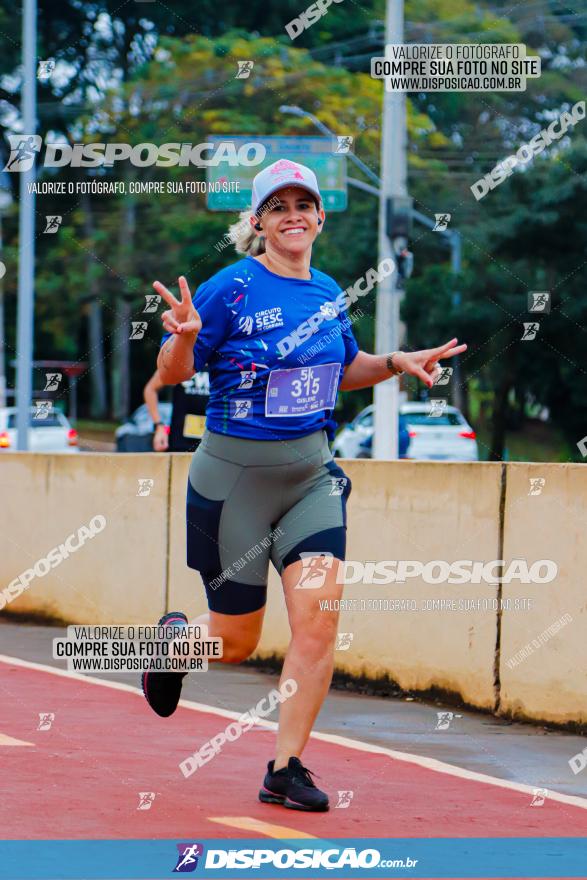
{"x": 292, "y": 225}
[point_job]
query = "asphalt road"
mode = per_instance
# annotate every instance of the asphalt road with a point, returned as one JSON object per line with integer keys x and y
{"x": 475, "y": 741}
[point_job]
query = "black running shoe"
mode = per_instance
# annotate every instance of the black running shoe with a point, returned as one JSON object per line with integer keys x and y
{"x": 162, "y": 690}
{"x": 293, "y": 787}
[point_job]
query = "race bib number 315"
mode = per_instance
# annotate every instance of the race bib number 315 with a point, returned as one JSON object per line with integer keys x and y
{"x": 301, "y": 390}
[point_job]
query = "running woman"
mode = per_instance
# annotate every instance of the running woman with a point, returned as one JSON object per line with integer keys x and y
{"x": 263, "y": 476}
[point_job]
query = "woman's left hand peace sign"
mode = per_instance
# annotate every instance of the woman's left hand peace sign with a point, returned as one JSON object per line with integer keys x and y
{"x": 424, "y": 364}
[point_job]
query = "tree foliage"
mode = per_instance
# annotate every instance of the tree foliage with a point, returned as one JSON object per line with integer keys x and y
{"x": 166, "y": 73}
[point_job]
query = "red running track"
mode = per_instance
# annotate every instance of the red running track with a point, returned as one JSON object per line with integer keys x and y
{"x": 82, "y": 778}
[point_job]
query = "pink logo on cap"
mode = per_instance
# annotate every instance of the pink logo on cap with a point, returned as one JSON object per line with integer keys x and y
{"x": 284, "y": 166}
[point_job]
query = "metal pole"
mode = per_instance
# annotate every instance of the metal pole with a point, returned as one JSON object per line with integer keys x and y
{"x": 366, "y": 187}
{"x": 26, "y": 259}
{"x": 73, "y": 400}
{"x": 455, "y": 262}
{"x": 393, "y": 183}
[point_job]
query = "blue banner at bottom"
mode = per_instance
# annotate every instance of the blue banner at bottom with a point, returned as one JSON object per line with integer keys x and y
{"x": 487, "y": 857}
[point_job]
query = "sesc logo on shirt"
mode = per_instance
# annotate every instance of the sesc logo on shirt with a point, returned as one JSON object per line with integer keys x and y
{"x": 266, "y": 319}
{"x": 269, "y": 319}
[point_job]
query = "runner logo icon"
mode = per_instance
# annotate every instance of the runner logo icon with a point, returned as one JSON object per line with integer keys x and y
{"x": 23, "y": 149}
{"x": 46, "y": 719}
{"x": 187, "y": 860}
{"x": 314, "y": 570}
{"x": 242, "y": 409}
{"x": 146, "y": 799}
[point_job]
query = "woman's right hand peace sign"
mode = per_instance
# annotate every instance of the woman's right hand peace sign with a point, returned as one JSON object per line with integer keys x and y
{"x": 181, "y": 318}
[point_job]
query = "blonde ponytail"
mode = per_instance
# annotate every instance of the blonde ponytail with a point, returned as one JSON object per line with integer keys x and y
{"x": 243, "y": 236}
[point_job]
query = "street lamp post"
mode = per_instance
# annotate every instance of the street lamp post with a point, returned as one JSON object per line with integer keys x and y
{"x": 26, "y": 238}
{"x": 393, "y": 186}
{"x": 5, "y": 203}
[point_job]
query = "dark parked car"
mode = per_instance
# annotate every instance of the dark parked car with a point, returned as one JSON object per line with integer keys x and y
{"x": 366, "y": 445}
{"x": 355, "y": 440}
{"x": 136, "y": 434}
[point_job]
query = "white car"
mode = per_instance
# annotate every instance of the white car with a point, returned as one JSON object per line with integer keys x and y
{"x": 53, "y": 433}
{"x": 446, "y": 436}
{"x": 439, "y": 433}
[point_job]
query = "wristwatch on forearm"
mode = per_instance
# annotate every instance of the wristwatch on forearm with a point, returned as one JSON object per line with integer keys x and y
{"x": 390, "y": 365}
{"x": 158, "y": 425}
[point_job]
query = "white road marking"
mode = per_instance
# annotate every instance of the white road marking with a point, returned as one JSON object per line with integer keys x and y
{"x": 6, "y": 740}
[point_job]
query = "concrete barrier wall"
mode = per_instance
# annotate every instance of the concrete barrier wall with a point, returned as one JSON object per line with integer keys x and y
{"x": 544, "y": 671}
{"x": 450, "y": 637}
{"x": 119, "y": 575}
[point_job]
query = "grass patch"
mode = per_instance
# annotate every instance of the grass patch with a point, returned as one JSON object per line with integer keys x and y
{"x": 87, "y": 425}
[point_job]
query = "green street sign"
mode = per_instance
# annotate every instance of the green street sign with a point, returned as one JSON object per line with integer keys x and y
{"x": 318, "y": 153}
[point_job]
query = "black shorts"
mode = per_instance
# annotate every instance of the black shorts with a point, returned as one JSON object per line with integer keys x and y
{"x": 251, "y": 501}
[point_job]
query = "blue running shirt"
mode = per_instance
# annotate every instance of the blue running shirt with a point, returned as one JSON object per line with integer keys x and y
{"x": 272, "y": 376}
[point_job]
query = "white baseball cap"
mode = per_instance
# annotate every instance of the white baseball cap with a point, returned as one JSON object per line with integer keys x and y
{"x": 279, "y": 175}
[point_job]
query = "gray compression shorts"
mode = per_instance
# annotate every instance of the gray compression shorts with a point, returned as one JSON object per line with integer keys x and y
{"x": 251, "y": 501}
